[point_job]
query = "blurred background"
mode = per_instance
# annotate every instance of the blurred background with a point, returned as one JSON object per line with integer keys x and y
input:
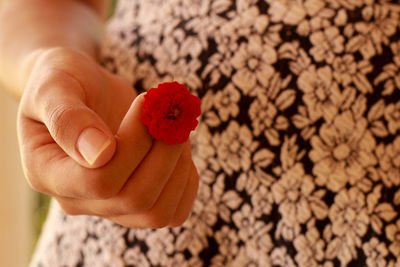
{"x": 18, "y": 203}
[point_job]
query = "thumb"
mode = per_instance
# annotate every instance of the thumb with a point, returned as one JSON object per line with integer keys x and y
{"x": 77, "y": 129}
{"x": 81, "y": 133}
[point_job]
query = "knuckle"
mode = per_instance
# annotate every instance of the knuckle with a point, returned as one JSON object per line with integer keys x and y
{"x": 69, "y": 209}
{"x": 34, "y": 183}
{"x": 137, "y": 203}
{"x": 33, "y": 178}
{"x": 175, "y": 222}
{"x": 159, "y": 219}
{"x": 59, "y": 118}
{"x": 100, "y": 186}
{"x": 98, "y": 192}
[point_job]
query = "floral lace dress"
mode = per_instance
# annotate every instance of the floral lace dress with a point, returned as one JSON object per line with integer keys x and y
{"x": 298, "y": 145}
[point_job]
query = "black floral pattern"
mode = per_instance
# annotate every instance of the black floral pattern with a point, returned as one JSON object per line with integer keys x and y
{"x": 298, "y": 146}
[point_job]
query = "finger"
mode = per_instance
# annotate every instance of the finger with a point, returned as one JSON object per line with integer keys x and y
{"x": 150, "y": 178}
{"x": 144, "y": 188}
{"x": 51, "y": 171}
{"x": 162, "y": 214}
{"x": 186, "y": 203}
{"x": 179, "y": 193}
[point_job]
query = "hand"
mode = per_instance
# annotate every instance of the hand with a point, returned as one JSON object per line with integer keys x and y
{"x": 82, "y": 141}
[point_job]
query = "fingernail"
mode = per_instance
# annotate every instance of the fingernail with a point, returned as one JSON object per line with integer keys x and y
{"x": 91, "y": 143}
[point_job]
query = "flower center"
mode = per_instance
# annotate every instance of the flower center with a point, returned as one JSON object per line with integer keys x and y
{"x": 350, "y": 215}
{"x": 342, "y": 67}
{"x": 252, "y": 63}
{"x": 293, "y": 195}
{"x": 173, "y": 112}
{"x": 341, "y": 152}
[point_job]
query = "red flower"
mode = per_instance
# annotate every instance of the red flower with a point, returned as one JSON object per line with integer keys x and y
{"x": 170, "y": 112}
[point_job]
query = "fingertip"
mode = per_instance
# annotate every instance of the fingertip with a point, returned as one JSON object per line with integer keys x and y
{"x": 96, "y": 147}
{"x": 139, "y": 99}
{"x": 105, "y": 155}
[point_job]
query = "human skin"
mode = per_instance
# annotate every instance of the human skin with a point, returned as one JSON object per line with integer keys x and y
{"x": 79, "y": 130}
